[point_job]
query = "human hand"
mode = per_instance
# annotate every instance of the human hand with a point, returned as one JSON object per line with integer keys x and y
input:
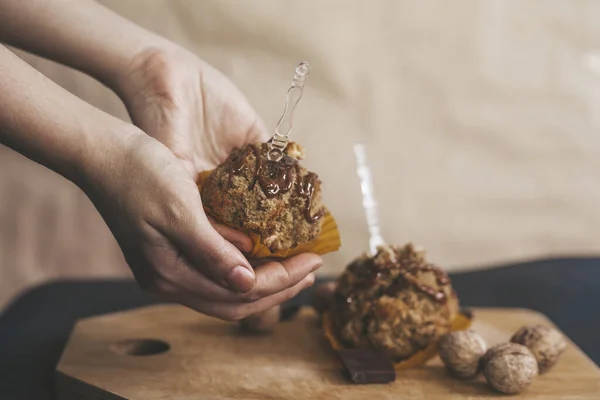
{"x": 146, "y": 195}
{"x": 189, "y": 106}
{"x": 192, "y": 109}
{"x": 154, "y": 210}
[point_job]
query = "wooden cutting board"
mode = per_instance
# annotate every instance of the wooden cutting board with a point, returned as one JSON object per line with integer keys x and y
{"x": 171, "y": 352}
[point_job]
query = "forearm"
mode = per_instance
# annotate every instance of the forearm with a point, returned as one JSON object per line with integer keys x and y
{"x": 82, "y": 34}
{"x": 51, "y": 126}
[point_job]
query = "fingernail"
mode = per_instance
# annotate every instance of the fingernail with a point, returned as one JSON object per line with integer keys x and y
{"x": 317, "y": 266}
{"x": 240, "y": 278}
{"x": 310, "y": 281}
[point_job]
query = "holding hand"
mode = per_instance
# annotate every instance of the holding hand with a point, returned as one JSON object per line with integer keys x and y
{"x": 142, "y": 183}
{"x": 153, "y": 208}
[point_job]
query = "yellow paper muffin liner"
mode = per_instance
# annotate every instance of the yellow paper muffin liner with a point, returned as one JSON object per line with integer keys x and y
{"x": 460, "y": 323}
{"x": 328, "y": 240}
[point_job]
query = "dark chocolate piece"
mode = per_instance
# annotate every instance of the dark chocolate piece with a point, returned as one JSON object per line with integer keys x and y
{"x": 367, "y": 366}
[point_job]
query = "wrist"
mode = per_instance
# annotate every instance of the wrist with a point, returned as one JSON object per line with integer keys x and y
{"x": 101, "y": 157}
{"x": 49, "y": 125}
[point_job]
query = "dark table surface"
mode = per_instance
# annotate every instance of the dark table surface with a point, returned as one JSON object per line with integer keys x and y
{"x": 34, "y": 329}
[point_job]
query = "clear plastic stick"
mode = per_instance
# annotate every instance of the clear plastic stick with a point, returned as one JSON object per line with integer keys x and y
{"x": 368, "y": 198}
{"x": 284, "y": 126}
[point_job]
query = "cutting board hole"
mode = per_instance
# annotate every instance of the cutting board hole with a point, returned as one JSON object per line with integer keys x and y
{"x": 141, "y": 347}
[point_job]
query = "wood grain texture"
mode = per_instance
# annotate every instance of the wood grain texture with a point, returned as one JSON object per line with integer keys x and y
{"x": 210, "y": 359}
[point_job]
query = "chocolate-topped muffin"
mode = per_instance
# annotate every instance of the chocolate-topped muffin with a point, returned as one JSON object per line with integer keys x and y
{"x": 278, "y": 200}
{"x": 395, "y": 301}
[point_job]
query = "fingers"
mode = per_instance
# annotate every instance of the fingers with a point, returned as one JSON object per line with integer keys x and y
{"x": 237, "y": 238}
{"x": 275, "y": 276}
{"x": 174, "y": 278}
{"x": 207, "y": 250}
{"x": 271, "y": 277}
{"x": 238, "y": 311}
{"x": 180, "y": 274}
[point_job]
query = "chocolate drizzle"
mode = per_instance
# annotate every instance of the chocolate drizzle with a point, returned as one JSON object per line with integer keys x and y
{"x": 275, "y": 177}
{"x": 373, "y": 293}
{"x": 407, "y": 270}
{"x": 408, "y": 278}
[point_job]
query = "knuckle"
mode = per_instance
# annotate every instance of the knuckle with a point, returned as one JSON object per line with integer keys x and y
{"x": 175, "y": 211}
{"x": 164, "y": 69}
{"x": 178, "y": 213}
{"x": 283, "y": 277}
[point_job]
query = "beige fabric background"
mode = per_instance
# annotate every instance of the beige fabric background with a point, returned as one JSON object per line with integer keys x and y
{"x": 481, "y": 120}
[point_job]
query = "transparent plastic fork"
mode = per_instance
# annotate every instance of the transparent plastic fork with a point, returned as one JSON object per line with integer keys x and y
{"x": 368, "y": 198}
{"x": 284, "y": 127}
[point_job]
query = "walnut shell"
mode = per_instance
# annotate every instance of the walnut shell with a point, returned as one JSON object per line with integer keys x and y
{"x": 546, "y": 343}
{"x": 461, "y": 353}
{"x": 509, "y": 367}
{"x": 263, "y": 322}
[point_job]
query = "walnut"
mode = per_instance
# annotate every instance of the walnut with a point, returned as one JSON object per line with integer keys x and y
{"x": 263, "y": 322}
{"x": 294, "y": 150}
{"x": 461, "y": 352}
{"x": 546, "y": 344}
{"x": 509, "y": 367}
{"x": 321, "y": 296}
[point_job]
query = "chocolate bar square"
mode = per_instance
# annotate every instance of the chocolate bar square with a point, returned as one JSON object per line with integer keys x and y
{"x": 367, "y": 366}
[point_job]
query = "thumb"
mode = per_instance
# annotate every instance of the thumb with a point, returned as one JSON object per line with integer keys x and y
{"x": 214, "y": 256}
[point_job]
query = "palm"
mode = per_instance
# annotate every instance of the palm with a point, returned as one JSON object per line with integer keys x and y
{"x": 191, "y": 108}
